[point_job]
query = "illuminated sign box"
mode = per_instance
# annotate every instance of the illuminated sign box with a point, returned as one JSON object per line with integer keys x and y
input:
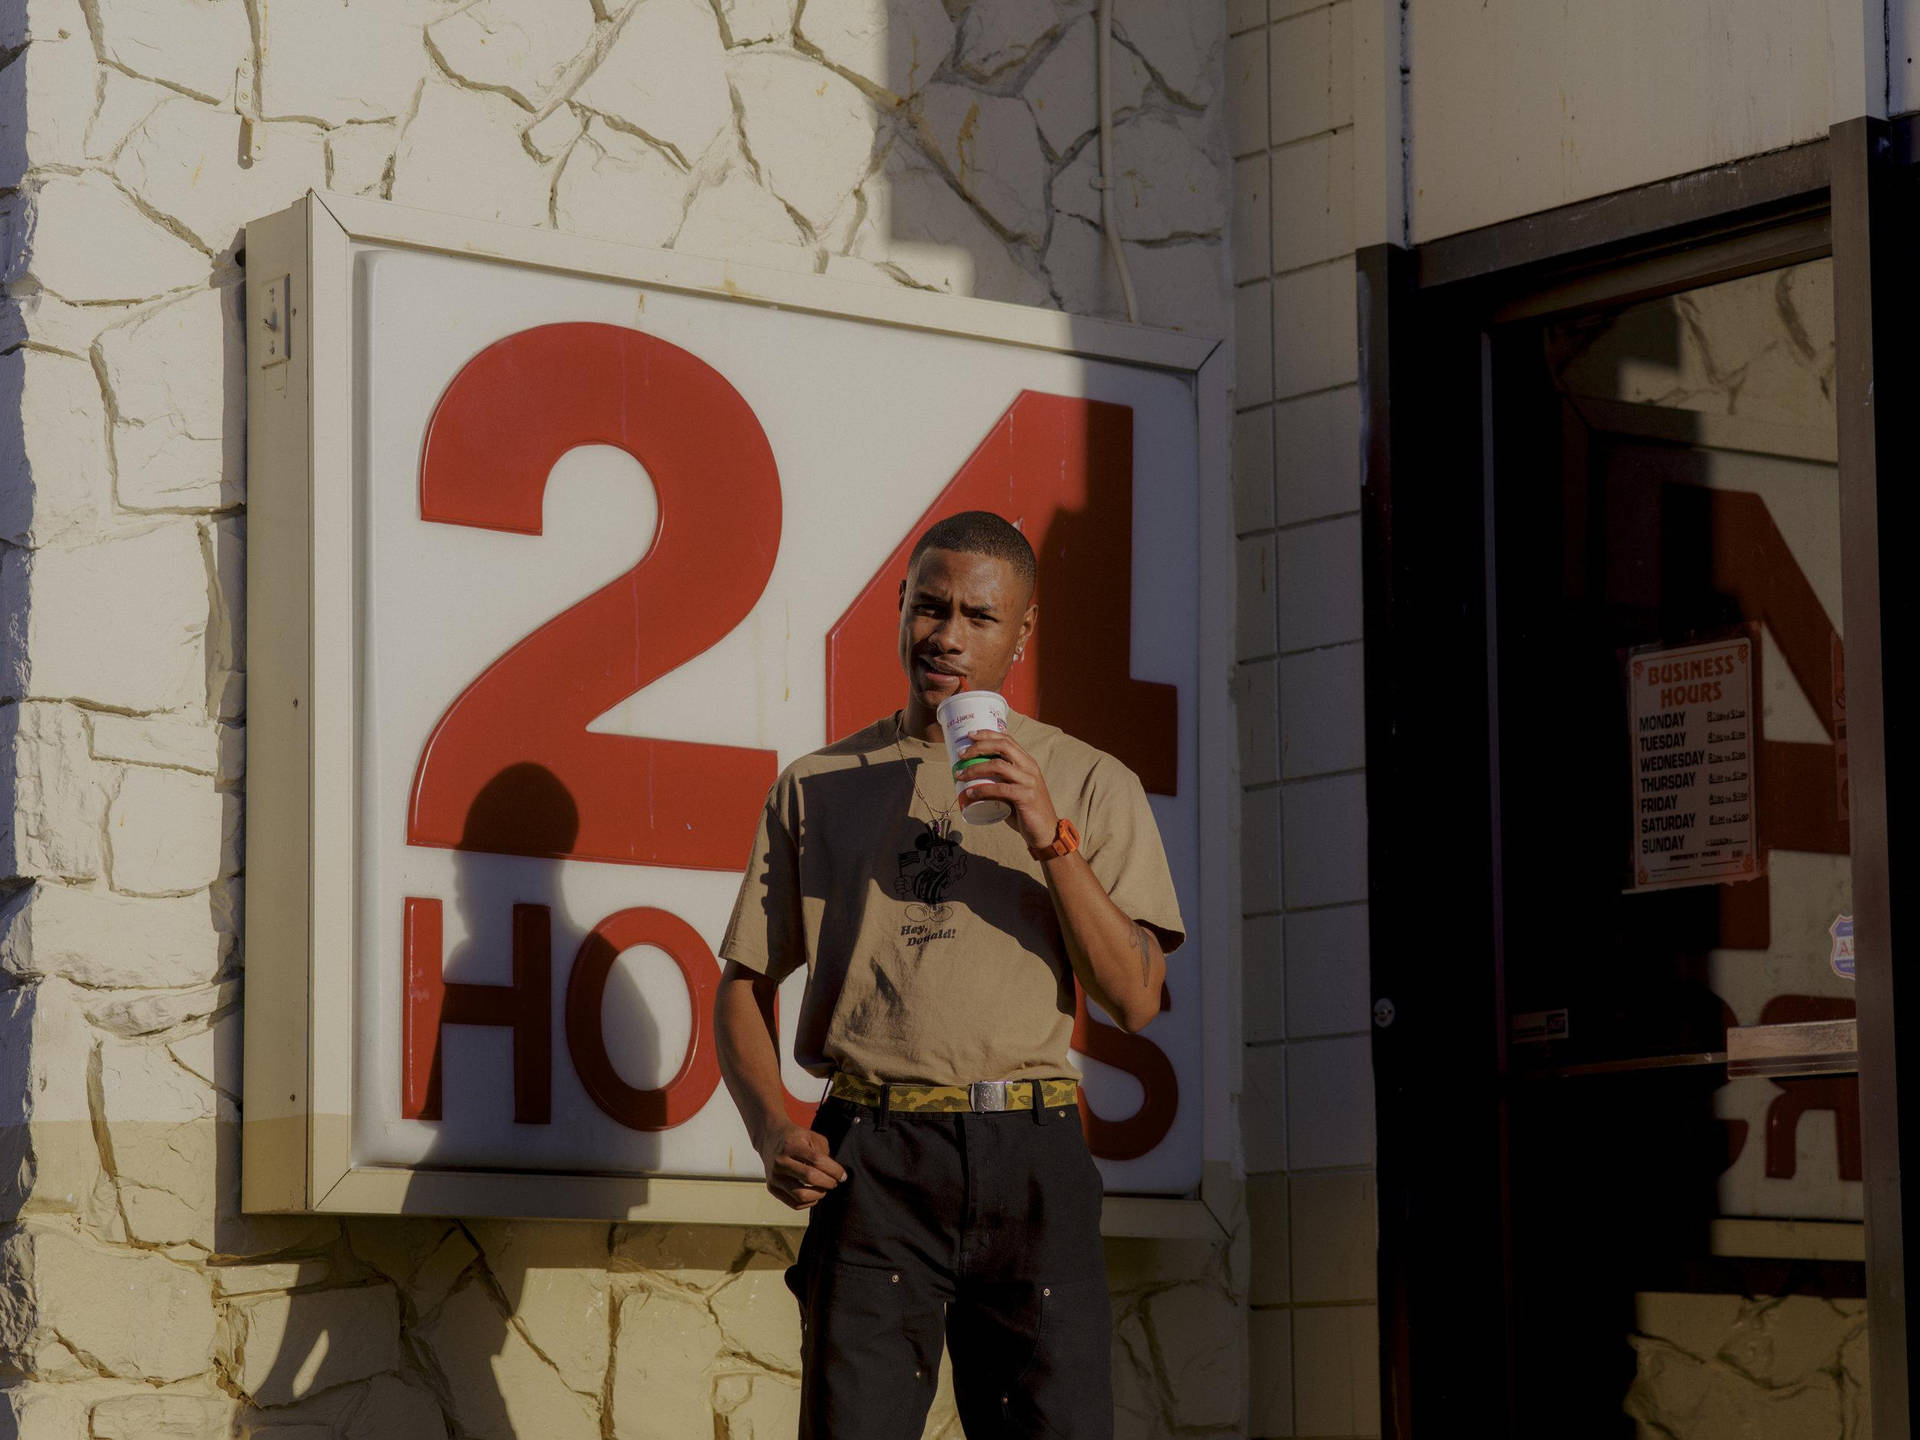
{"x": 558, "y": 550}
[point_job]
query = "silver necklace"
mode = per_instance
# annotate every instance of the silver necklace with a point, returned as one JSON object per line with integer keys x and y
{"x": 942, "y": 820}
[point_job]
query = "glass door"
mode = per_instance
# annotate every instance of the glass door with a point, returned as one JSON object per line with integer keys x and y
{"x": 1685, "y": 1232}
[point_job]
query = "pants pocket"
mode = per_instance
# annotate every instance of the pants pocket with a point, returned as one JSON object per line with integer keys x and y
{"x": 1034, "y": 1361}
{"x": 872, "y": 1353}
{"x": 1069, "y": 1383}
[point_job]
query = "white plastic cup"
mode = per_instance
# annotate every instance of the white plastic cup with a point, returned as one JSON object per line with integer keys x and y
{"x": 960, "y": 716}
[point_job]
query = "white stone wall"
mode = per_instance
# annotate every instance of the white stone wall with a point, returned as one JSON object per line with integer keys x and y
{"x": 942, "y": 145}
{"x": 1294, "y": 72}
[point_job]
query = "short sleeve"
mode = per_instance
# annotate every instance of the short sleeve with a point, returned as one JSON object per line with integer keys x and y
{"x": 1121, "y": 841}
{"x": 765, "y": 933}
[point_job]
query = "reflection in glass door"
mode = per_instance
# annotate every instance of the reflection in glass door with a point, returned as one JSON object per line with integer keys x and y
{"x": 1686, "y": 1238}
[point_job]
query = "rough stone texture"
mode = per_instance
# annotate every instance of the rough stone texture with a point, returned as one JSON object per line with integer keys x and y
{"x": 49, "y": 1161}
{"x": 1165, "y": 182}
{"x": 163, "y": 1152}
{"x": 124, "y": 101}
{"x": 461, "y": 153}
{"x": 58, "y": 792}
{"x": 51, "y": 85}
{"x": 757, "y": 1315}
{"x": 179, "y": 422}
{"x": 999, "y": 35}
{"x": 170, "y": 834}
{"x": 990, "y": 146}
{"x": 619, "y": 187}
{"x": 81, "y": 644}
{"x": 102, "y": 940}
{"x": 811, "y": 134}
{"x": 333, "y": 63}
{"x": 555, "y": 1278}
{"x": 683, "y": 102}
{"x": 500, "y": 1387}
{"x": 161, "y": 1417}
{"x": 172, "y": 740}
{"x": 925, "y": 232}
{"x": 358, "y": 157}
{"x": 289, "y": 1346}
{"x": 1202, "y": 1374}
{"x": 1065, "y": 106}
{"x": 737, "y": 220}
{"x": 1182, "y": 43}
{"x": 521, "y": 47}
{"x": 855, "y": 137}
{"x": 90, "y": 242}
{"x": 196, "y": 45}
{"x": 214, "y": 1055}
{"x": 1178, "y": 285}
{"x": 895, "y": 48}
{"x": 181, "y": 160}
{"x": 63, "y": 484}
{"x": 754, "y": 22}
{"x": 101, "y": 1302}
{"x": 755, "y": 1407}
{"x": 277, "y": 1275}
{"x": 1710, "y": 1365}
{"x": 668, "y": 1344}
{"x": 552, "y": 135}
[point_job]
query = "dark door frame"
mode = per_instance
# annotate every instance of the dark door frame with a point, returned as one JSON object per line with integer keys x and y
{"x": 1426, "y": 317}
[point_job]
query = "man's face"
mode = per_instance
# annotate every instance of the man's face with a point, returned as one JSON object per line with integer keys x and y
{"x": 962, "y": 616}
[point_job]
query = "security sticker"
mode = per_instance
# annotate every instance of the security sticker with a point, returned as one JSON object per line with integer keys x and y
{"x": 1842, "y": 958}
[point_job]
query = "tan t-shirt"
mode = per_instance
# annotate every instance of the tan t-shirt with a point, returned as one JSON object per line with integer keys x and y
{"x": 931, "y": 961}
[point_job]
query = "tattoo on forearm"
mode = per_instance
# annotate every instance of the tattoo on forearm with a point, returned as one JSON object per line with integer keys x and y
{"x": 1145, "y": 947}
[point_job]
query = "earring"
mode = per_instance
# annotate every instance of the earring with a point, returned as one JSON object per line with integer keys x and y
{"x": 1021, "y": 653}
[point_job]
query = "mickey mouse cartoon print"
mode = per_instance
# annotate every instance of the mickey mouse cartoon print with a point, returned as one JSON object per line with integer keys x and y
{"x": 927, "y": 872}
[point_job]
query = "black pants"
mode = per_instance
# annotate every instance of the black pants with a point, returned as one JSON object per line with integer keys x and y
{"x": 984, "y": 1228}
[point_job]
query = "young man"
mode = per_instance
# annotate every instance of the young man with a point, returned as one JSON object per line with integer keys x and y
{"x": 949, "y": 1185}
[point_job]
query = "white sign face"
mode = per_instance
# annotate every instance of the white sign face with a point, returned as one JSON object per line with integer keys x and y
{"x": 1695, "y": 736}
{"x": 626, "y": 552}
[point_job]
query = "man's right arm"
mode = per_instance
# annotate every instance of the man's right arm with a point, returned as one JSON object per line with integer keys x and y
{"x": 799, "y": 1167}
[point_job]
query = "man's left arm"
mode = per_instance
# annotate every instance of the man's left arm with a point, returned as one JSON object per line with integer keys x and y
{"x": 1118, "y": 961}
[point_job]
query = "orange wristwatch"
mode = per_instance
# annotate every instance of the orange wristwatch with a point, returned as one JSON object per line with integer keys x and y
{"x": 1066, "y": 840}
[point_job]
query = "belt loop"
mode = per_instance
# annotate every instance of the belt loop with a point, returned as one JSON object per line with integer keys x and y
{"x": 1038, "y": 1114}
{"x": 886, "y": 1097}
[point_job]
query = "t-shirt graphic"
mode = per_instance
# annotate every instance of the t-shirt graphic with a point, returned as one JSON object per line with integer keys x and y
{"x": 927, "y": 873}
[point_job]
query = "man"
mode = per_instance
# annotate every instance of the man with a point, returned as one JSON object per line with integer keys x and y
{"x": 941, "y": 955}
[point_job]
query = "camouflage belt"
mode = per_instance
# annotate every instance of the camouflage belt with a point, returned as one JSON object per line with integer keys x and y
{"x": 981, "y": 1097}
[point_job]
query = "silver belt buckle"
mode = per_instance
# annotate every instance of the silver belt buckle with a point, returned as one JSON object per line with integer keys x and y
{"x": 987, "y": 1096}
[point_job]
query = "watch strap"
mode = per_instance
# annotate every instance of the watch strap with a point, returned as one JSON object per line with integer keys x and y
{"x": 1066, "y": 840}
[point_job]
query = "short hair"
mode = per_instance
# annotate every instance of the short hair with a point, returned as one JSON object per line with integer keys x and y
{"x": 979, "y": 532}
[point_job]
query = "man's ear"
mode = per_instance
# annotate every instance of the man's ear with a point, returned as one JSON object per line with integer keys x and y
{"x": 1029, "y": 622}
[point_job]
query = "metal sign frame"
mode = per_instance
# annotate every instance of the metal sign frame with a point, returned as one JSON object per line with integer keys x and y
{"x": 304, "y": 618}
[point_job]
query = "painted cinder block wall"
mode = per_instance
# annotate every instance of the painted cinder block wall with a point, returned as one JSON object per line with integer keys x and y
{"x": 1307, "y": 1105}
{"x": 904, "y": 142}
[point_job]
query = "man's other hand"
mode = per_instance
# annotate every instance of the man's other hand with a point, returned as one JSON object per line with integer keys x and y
{"x": 800, "y": 1168}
